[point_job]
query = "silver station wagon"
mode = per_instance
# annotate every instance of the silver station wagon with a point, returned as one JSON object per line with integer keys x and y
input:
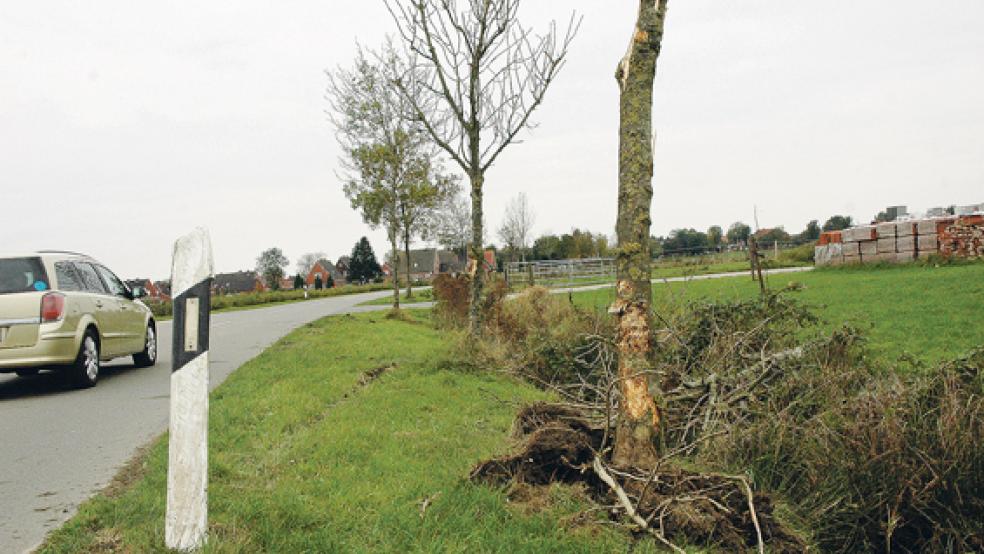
{"x": 67, "y": 312}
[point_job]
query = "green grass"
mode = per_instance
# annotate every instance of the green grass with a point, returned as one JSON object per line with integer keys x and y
{"x": 304, "y": 460}
{"x": 924, "y": 311}
{"x": 422, "y": 295}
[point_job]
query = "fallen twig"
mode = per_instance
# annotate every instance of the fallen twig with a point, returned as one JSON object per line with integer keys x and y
{"x": 630, "y": 510}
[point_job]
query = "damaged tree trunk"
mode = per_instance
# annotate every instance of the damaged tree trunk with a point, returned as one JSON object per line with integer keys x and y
{"x": 396, "y": 272}
{"x": 477, "y": 254}
{"x": 406, "y": 250}
{"x": 638, "y": 421}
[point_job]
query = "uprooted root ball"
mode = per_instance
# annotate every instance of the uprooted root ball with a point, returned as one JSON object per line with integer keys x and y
{"x": 558, "y": 445}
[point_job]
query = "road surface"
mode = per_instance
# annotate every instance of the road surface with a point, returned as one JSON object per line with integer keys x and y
{"x": 62, "y": 446}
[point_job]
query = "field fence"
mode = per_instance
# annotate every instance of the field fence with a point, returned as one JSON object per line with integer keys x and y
{"x": 587, "y": 271}
{"x": 560, "y": 273}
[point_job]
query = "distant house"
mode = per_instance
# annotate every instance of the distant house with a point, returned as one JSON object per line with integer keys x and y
{"x": 488, "y": 259}
{"x": 153, "y": 290}
{"x": 427, "y": 263}
{"x": 164, "y": 287}
{"x": 342, "y": 265}
{"x": 324, "y": 269}
{"x": 238, "y": 282}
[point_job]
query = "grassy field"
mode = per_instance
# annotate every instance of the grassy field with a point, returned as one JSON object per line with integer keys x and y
{"x": 928, "y": 312}
{"x": 305, "y": 459}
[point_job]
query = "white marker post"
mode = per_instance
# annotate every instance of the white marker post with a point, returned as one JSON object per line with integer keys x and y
{"x": 187, "y": 468}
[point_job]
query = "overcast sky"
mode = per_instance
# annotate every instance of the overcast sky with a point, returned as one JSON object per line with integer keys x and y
{"x": 125, "y": 124}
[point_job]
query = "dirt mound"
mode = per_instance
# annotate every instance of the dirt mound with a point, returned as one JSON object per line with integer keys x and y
{"x": 559, "y": 445}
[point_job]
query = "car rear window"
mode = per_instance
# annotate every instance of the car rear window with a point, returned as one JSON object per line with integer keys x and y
{"x": 22, "y": 275}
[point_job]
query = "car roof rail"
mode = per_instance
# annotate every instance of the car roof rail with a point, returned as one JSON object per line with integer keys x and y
{"x": 69, "y": 252}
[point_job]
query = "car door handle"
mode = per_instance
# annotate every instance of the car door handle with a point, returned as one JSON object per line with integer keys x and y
{"x": 99, "y": 304}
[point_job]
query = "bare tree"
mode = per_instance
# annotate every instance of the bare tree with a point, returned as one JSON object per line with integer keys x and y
{"x": 392, "y": 171}
{"x": 306, "y": 262}
{"x": 639, "y": 413}
{"x": 450, "y": 225}
{"x": 473, "y": 76}
{"x": 517, "y": 225}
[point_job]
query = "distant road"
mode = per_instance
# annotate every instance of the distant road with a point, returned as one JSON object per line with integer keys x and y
{"x": 766, "y": 272}
{"x": 62, "y": 446}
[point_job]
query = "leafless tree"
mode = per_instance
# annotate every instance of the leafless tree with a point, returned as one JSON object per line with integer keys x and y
{"x": 450, "y": 225}
{"x": 639, "y": 412}
{"x": 473, "y": 76}
{"x": 307, "y": 261}
{"x": 517, "y": 225}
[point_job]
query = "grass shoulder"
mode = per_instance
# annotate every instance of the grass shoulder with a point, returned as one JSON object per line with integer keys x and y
{"x": 307, "y": 455}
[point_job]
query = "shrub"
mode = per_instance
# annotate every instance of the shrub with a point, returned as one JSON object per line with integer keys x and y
{"x": 873, "y": 461}
{"x": 803, "y": 254}
{"x": 452, "y": 293}
{"x": 537, "y": 335}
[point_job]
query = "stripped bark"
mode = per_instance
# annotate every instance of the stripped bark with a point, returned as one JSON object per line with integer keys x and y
{"x": 639, "y": 414}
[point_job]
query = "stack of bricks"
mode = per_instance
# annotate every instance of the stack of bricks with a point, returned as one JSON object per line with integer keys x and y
{"x": 962, "y": 238}
{"x": 903, "y": 241}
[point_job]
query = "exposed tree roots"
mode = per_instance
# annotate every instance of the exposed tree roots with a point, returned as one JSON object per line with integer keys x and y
{"x": 675, "y": 505}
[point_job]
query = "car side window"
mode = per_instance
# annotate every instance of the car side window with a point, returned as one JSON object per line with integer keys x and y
{"x": 90, "y": 280}
{"x": 68, "y": 279}
{"x": 113, "y": 283}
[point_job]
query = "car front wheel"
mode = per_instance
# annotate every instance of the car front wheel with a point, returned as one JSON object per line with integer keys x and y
{"x": 84, "y": 373}
{"x": 148, "y": 357}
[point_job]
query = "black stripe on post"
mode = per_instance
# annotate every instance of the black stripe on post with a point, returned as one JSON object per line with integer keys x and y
{"x": 179, "y": 355}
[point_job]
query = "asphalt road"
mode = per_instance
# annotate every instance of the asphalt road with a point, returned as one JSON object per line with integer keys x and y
{"x": 61, "y": 446}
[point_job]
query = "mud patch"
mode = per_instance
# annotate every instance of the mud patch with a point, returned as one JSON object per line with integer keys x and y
{"x": 371, "y": 375}
{"x": 131, "y": 472}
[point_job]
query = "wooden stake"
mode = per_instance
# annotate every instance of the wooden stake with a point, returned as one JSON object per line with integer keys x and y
{"x": 187, "y": 470}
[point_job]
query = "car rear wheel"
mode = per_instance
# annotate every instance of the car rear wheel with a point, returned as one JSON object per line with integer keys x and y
{"x": 148, "y": 357}
{"x": 84, "y": 373}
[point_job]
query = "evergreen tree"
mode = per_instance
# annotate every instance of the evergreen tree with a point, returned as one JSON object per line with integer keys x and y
{"x": 330, "y": 283}
{"x": 318, "y": 285}
{"x": 364, "y": 267}
{"x": 298, "y": 282}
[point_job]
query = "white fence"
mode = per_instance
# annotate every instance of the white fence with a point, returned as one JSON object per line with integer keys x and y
{"x": 560, "y": 273}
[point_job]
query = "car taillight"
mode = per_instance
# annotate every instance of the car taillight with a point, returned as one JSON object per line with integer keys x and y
{"x": 52, "y": 307}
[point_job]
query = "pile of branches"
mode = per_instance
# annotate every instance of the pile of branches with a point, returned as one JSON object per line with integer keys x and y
{"x": 668, "y": 502}
{"x": 865, "y": 457}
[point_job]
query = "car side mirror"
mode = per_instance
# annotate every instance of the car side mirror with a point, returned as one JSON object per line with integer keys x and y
{"x": 139, "y": 292}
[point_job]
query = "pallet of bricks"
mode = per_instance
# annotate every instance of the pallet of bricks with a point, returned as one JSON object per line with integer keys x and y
{"x": 903, "y": 241}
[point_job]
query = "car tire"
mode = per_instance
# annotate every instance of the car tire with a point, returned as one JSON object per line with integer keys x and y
{"x": 84, "y": 373}
{"x": 28, "y": 372}
{"x": 148, "y": 357}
